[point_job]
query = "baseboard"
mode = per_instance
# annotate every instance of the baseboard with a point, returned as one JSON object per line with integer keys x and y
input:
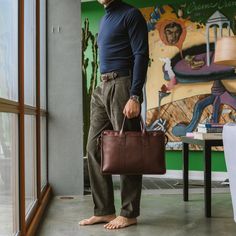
{"x": 39, "y": 214}
{"x": 193, "y": 175}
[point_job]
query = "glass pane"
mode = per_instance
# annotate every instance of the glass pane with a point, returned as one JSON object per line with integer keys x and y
{"x": 9, "y": 49}
{"x": 43, "y": 152}
{"x": 43, "y": 54}
{"x": 30, "y": 52}
{"x": 30, "y": 163}
{"x": 9, "y": 194}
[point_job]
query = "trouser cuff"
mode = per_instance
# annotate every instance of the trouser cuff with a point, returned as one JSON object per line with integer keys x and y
{"x": 98, "y": 212}
{"x": 129, "y": 214}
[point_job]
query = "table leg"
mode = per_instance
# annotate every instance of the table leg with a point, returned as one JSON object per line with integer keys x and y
{"x": 185, "y": 154}
{"x": 207, "y": 180}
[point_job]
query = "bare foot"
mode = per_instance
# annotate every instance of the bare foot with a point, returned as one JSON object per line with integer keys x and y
{"x": 97, "y": 219}
{"x": 120, "y": 222}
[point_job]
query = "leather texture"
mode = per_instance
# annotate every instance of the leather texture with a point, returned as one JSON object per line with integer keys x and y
{"x": 133, "y": 152}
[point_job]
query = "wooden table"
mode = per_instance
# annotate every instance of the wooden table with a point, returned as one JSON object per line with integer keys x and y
{"x": 206, "y": 144}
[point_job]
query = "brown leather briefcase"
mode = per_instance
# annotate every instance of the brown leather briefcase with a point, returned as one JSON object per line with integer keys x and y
{"x": 133, "y": 152}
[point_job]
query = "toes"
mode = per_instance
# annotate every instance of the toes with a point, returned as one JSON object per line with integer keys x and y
{"x": 95, "y": 220}
{"x": 113, "y": 226}
{"x": 83, "y": 222}
{"x": 110, "y": 226}
{"x": 120, "y": 222}
{"x": 106, "y": 225}
{"x": 89, "y": 221}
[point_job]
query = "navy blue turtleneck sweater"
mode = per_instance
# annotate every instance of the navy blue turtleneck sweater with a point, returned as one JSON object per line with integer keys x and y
{"x": 123, "y": 43}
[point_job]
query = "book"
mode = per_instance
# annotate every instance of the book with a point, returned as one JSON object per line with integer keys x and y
{"x": 200, "y": 135}
{"x": 210, "y": 125}
{"x": 210, "y": 130}
{"x": 190, "y": 134}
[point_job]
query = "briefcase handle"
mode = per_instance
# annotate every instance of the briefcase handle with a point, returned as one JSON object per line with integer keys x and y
{"x": 141, "y": 124}
{"x": 142, "y": 128}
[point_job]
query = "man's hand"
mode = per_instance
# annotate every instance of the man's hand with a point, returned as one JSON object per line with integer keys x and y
{"x": 132, "y": 109}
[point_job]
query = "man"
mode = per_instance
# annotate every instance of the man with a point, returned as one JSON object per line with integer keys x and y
{"x": 123, "y": 54}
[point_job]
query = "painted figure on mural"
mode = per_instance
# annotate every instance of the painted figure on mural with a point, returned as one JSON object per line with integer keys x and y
{"x": 173, "y": 32}
{"x": 123, "y": 56}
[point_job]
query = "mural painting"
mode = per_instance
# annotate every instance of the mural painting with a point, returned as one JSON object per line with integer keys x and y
{"x": 184, "y": 86}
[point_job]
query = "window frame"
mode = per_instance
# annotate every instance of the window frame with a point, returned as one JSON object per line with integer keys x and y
{"x": 28, "y": 227}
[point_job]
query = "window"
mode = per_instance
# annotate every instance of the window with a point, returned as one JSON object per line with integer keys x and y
{"x": 23, "y": 120}
{"x": 9, "y": 194}
{"x": 43, "y": 53}
{"x": 30, "y": 163}
{"x": 43, "y": 152}
{"x": 30, "y": 52}
{"x": 9, "y": 49}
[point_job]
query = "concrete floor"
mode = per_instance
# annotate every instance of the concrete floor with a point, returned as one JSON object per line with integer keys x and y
{"x": 163, "y": 212}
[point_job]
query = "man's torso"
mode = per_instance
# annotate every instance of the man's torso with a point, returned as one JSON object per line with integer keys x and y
{"x": 115, "y": 52}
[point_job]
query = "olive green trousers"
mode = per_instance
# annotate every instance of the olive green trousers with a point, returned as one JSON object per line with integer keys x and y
{"x": 107, "y": 104}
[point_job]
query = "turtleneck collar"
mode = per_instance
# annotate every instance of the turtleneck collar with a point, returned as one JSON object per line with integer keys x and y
{"x": 113, "y": 5}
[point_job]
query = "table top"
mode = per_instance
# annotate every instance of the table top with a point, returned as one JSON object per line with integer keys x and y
{"x": 202, "y": 142}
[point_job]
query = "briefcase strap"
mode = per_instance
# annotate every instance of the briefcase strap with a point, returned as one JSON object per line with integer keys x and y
{"x": 167, "y": 139}
{"x": 143, "y": 129}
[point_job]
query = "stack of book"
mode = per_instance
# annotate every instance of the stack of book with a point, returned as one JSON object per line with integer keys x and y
{"x": 209, "y": 131}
